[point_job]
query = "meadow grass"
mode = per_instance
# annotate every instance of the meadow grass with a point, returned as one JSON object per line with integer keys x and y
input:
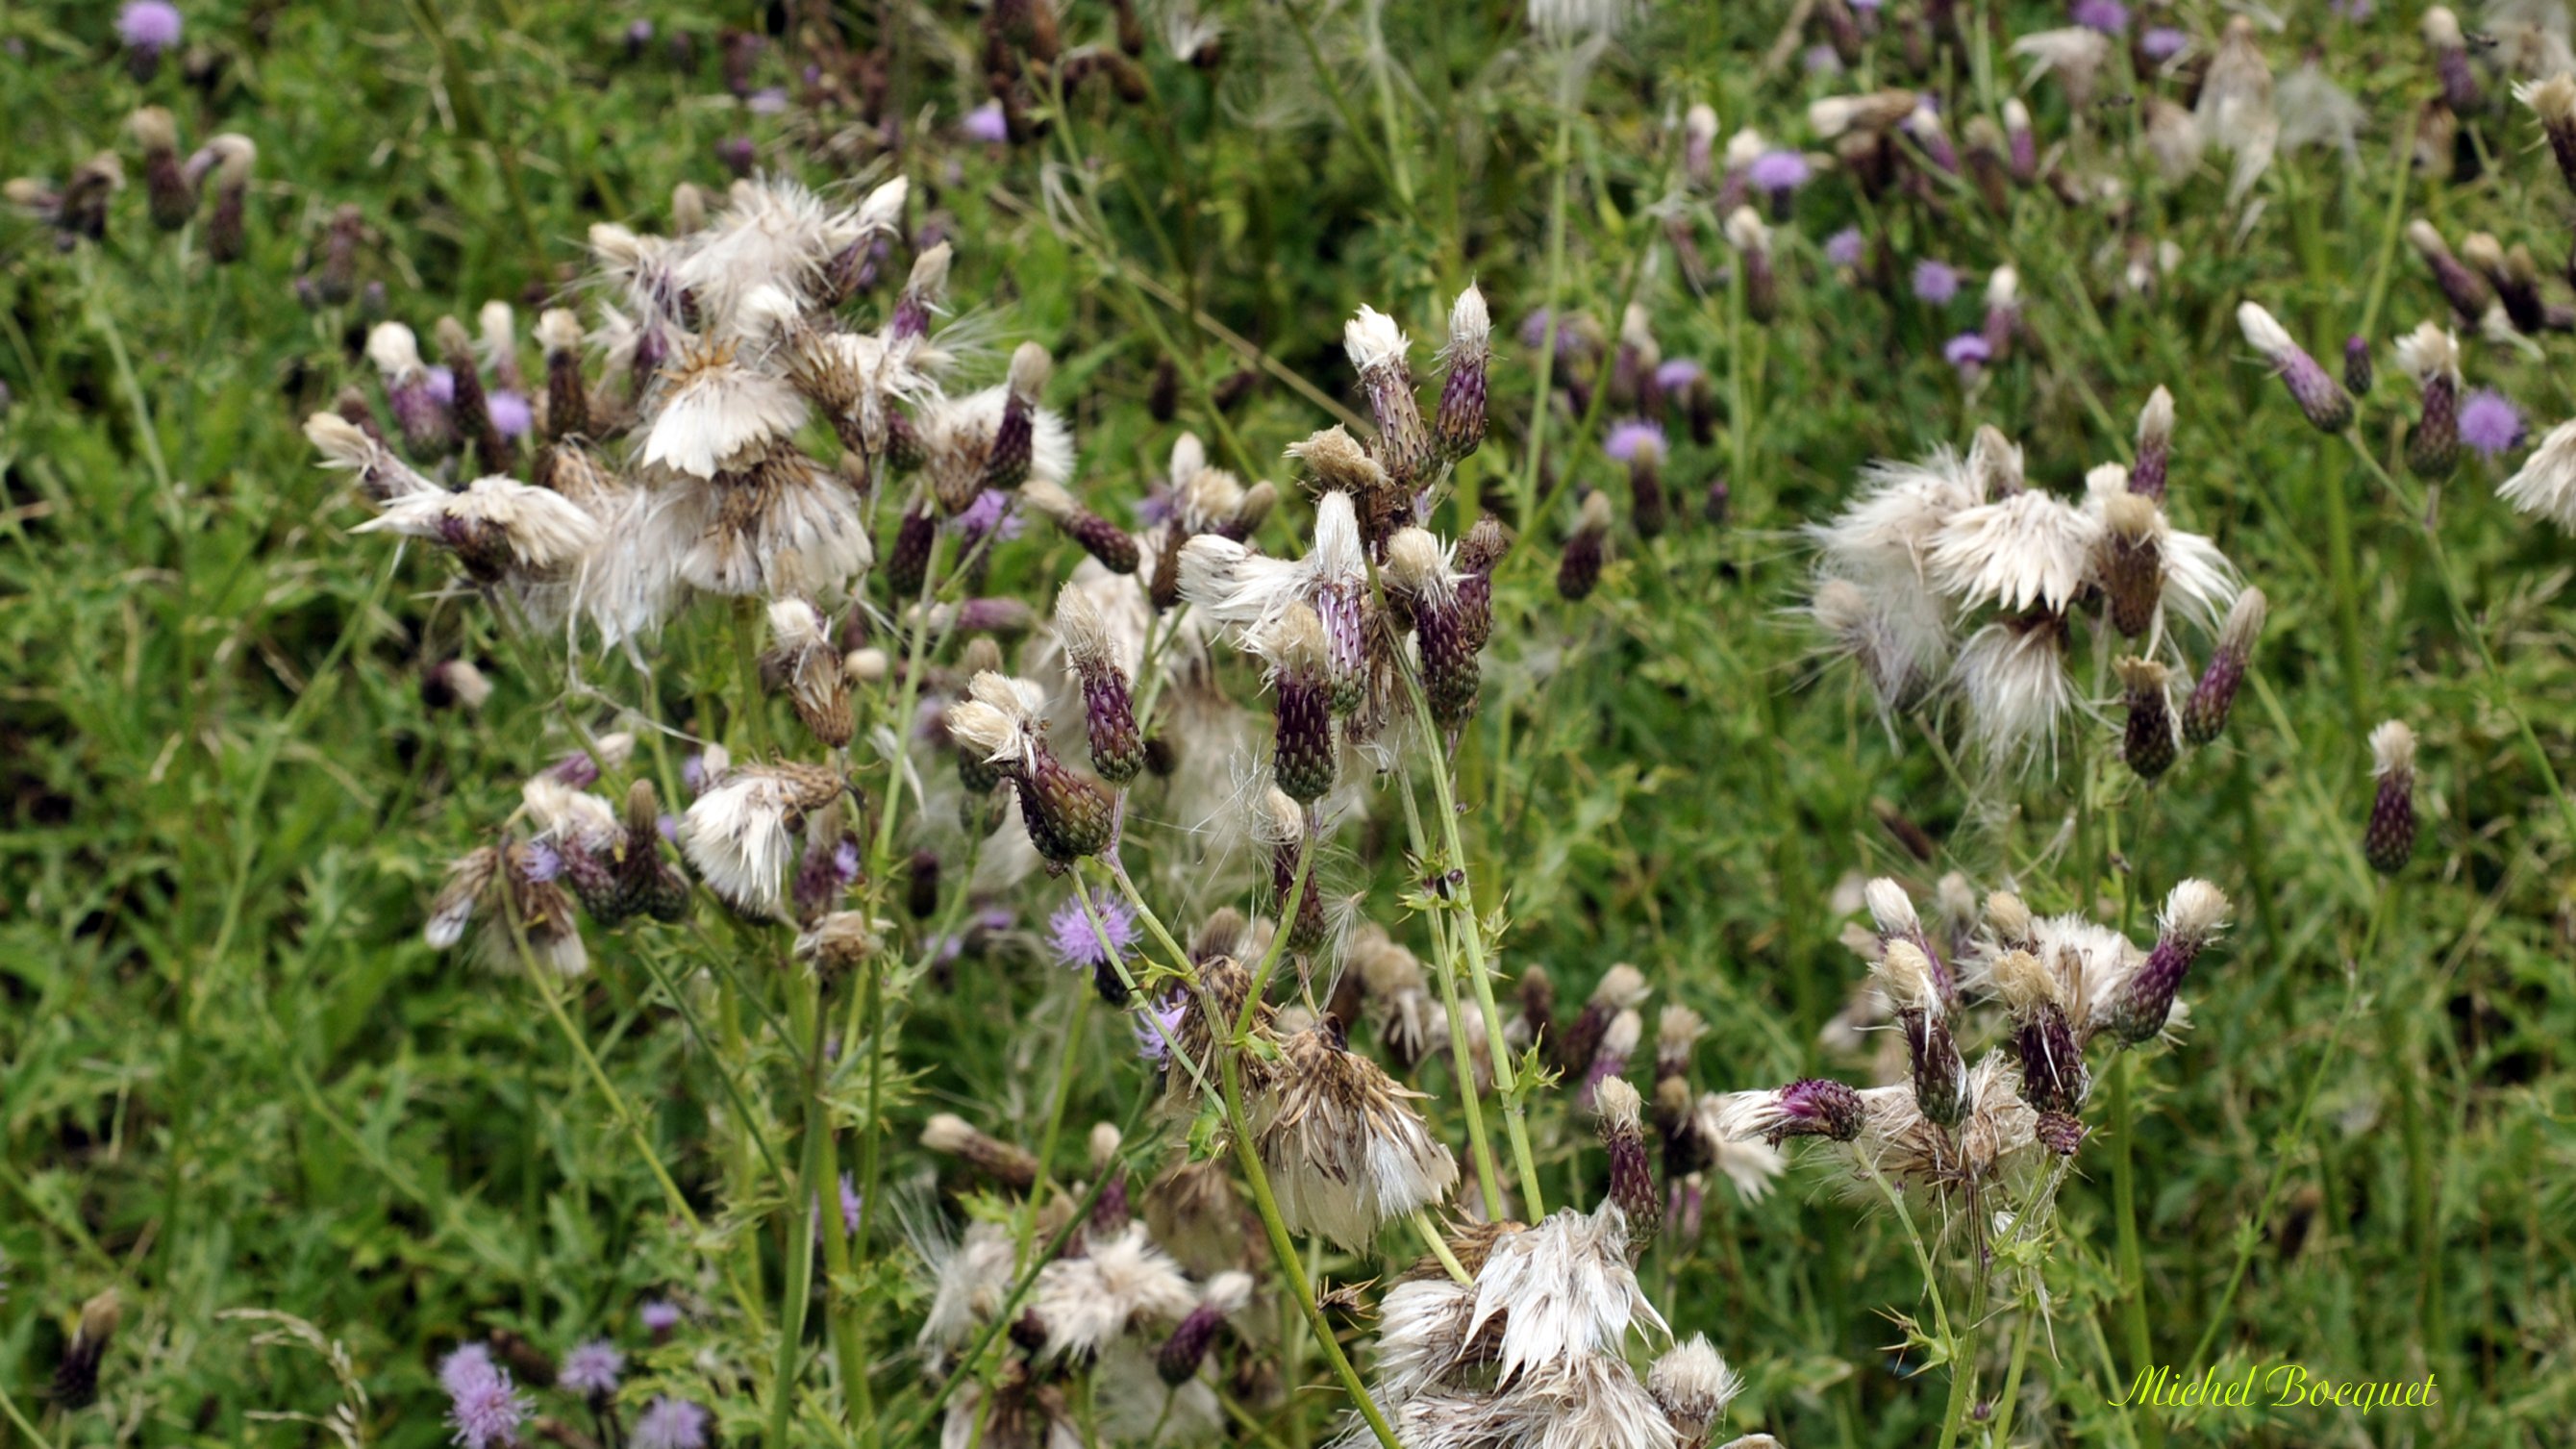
{"x": 234, "y": 1081}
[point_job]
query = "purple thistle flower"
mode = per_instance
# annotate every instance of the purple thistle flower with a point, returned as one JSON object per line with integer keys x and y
{"x": 544, "y": 861}
{"x": 2162, "y": 43}
{"x": 640, "y": 33}
{"x": 1967, "y": 351}
{"x": 845, "y": 860}
{"x": 1632, "y": 437}
{"x": 487, "y": 1411}
{"x": 671, "y": 1424}
{"x": 1534, "y": 332}
{"x": 1778, "y": 171}
{"x": 2489, "y": 422}
{"x": 1936, "y": 282}
{"x": 767, "y": 101}
{"x": 148, "y": 25}
{"x": 442, "y": 385}
{"x": 667, "y": 825}
{"x": 470, "y": 1364}
{"x": 659, "y": 1315}
{"x": 995, "y": 918}
{"x": 1677, "y": 374}
{"x": 987, "y": 124}
{"x": 991, "y": 512}
{"x": 2108, "y": 16}
{"x": 1868, "y": 6}
{"x": 849, "y": 1205}
{"x": 592, "y": 1369}
{"x": 1843, "y": 248}
{"x": 1157, "y": 507}
{"x": 511, "y": 416}
{"x": 2355, "y": 11}
{"x": 1155, "y": 1045}
{"x": 1822, "y": 60}
{"x": 1078, "y": 946}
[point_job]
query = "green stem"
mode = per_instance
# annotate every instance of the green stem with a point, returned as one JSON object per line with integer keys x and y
{"x": 805, "y": 1012}
{"x": 2124, "y": 1208}
{"x": 1489, "y": 1174}
{"x": 1537, "y": 442}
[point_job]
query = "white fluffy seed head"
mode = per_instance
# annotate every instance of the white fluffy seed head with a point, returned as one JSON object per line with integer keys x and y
{"x": 2244, "y": 623}
{"x": 1905, "y": 974}
{"x": 2128, "y": 516}
{"x": 1229, "y": 1291}
{"x": 559, "y": 330}
{"x": 1891, "y": 907}
{"x": 2016, "y": 115}
{"x": 1030, "y": 368}
{"x": 948, "y": 1133}
{"x": 2481, "y": 250}
{"x": 1415, "y": 560}
{"x": 1594, "y": 519}
{"x": 1693, "y": 1386}
{"x": 234, "y": 155}
{"x": 2392, "y": 749}
{"x": 1619, "y": 1039}
{"x": 929, "y": 276}
{"x": 1621, "y": 1109}
{"x": 153, "y": 130}
{"x": 2003, "y": 289}
{"x": 499, "y": 326}
{"x": 795, "y": 624}
{"x": 2195, "y": 911}
{"x": 1677, "y": 1030}
{"x": 2264, "y": 332}
{"x": 2021, "y": 981}
{"x": 2156, "y": 419}
{"x": 1622, "y": 987}
{"x": 2442, "y": 29}
{"x": 1747, "y": 232}
{"x": 1471, "y": 329}
{"x": 2426, "y": 241}
{"x": 394, "y": 349}
{"x": 2007, "y": 916}
{"x": 882, "y": 211}
{"x": 1373, "y": 341}
{"x": 1105, "y": 1139}
{"x": 2428, "y": 352}
{"x": 2553, "y": 99}
{"x": 1293, "y": 642}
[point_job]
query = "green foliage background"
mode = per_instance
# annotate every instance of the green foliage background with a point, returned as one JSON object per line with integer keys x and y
{"x": 232, "y": 1077}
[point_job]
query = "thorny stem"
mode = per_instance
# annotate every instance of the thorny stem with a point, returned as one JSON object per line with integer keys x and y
{"x": 1507, "y": 1081}
{"x": 1489, "y": 1174}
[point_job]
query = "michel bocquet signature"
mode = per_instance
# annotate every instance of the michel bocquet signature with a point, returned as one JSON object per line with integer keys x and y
{"x": 2279, "y": 1386}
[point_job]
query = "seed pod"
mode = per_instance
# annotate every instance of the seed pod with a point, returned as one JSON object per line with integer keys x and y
{"x": 1099, "y": 537}
{"x": 1580, "y": 568}
{"x": 1007, "y": 1164}
{"x": 2132, "y": 561}
{"x": 2319, "y": 397}
{"x": 1006, "y": 465}
{"x": 468, "y": 406}
{"x": 76, "y": 1377}
{"x": 1460, "y": 423}
{"x": 1109, "y": 714}
{"x": 2467, "y": 293}
{"x": 2388, "y": 842}
{"x": 1632, "y": 1177}
{"x": 1302, "y": 760}
{"x": 2358, "y": 374}
{"x": 2205, "y": 715}
{"x": 2194, "y": 913}
{"x": 2148, "y": 740}
{"x": 2155, "y": 446}
{"x": 1378, "y": 351}
{"x": 567, "y": 394}
{"x": 908, "y": 562}
{"x": 2554, "y": 101}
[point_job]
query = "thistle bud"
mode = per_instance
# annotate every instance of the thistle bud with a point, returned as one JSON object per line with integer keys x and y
{"x": 2389, "y": 840}
{"x": 2450, "y": 50}
{"x": 2053, "y": 1075}
{"x": 1699, "y": 145}
{"x": 2554, "y": 101}
{"x": 907, "y": 567}
{"x": 1007, "y": 464}
{"x": 1693, "y": 1386}
{"x": 1808, "y": 1107}
{"x": 2148, "y": 741}
{"x": 1099, "y": 537}
{"x": 2327, "y": 408}
{"x": 1904, "y": 972}
{"x": 1892, "y": 911}
{"x": 2430, "y": 357}
{"x": 1678, "y": 1030}
{"x": 567, "y": 395}
{"x": 172, "y": 191}
{"x": 2515, "y": 277}
{"x": 76, "y": 1377}
{"x": 1109, "y": 714}
{"x": 1610, "y": 1060}
{"x": 423, "y": 420}
{"x": 468, "y": 407}
{"x": 1580, "y": 568}
{"x": 1621, "y": 988}
{"x": 1632, "y": 1177}
{"x": 1303, "y": 760}
{"x": 1640, "y": 445}
{"x": 1379, "y": 352}
{"x": 2008, "y": 920}
{"x": 1008, "y": 1165}
{"x": 1460, "y": 424}
{"x": 806, "y": 663}
{"x": 2466, "y": 292}
{"x": 1068, "y": 814}
{"x": 2194, "y": 913}
{"x": 1751, "y": 239}
{"x": 2155, "y": 446}
{"x": 2358, "y": 374}
{"x": 230, "y": 158}
{"x": 1179, "y": 1359}
{"x": 2132, "y": 561}
{"x": 920, "y": 297}
{"x": 2022, "y": 141}
{"x": 2205, "y": 715}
